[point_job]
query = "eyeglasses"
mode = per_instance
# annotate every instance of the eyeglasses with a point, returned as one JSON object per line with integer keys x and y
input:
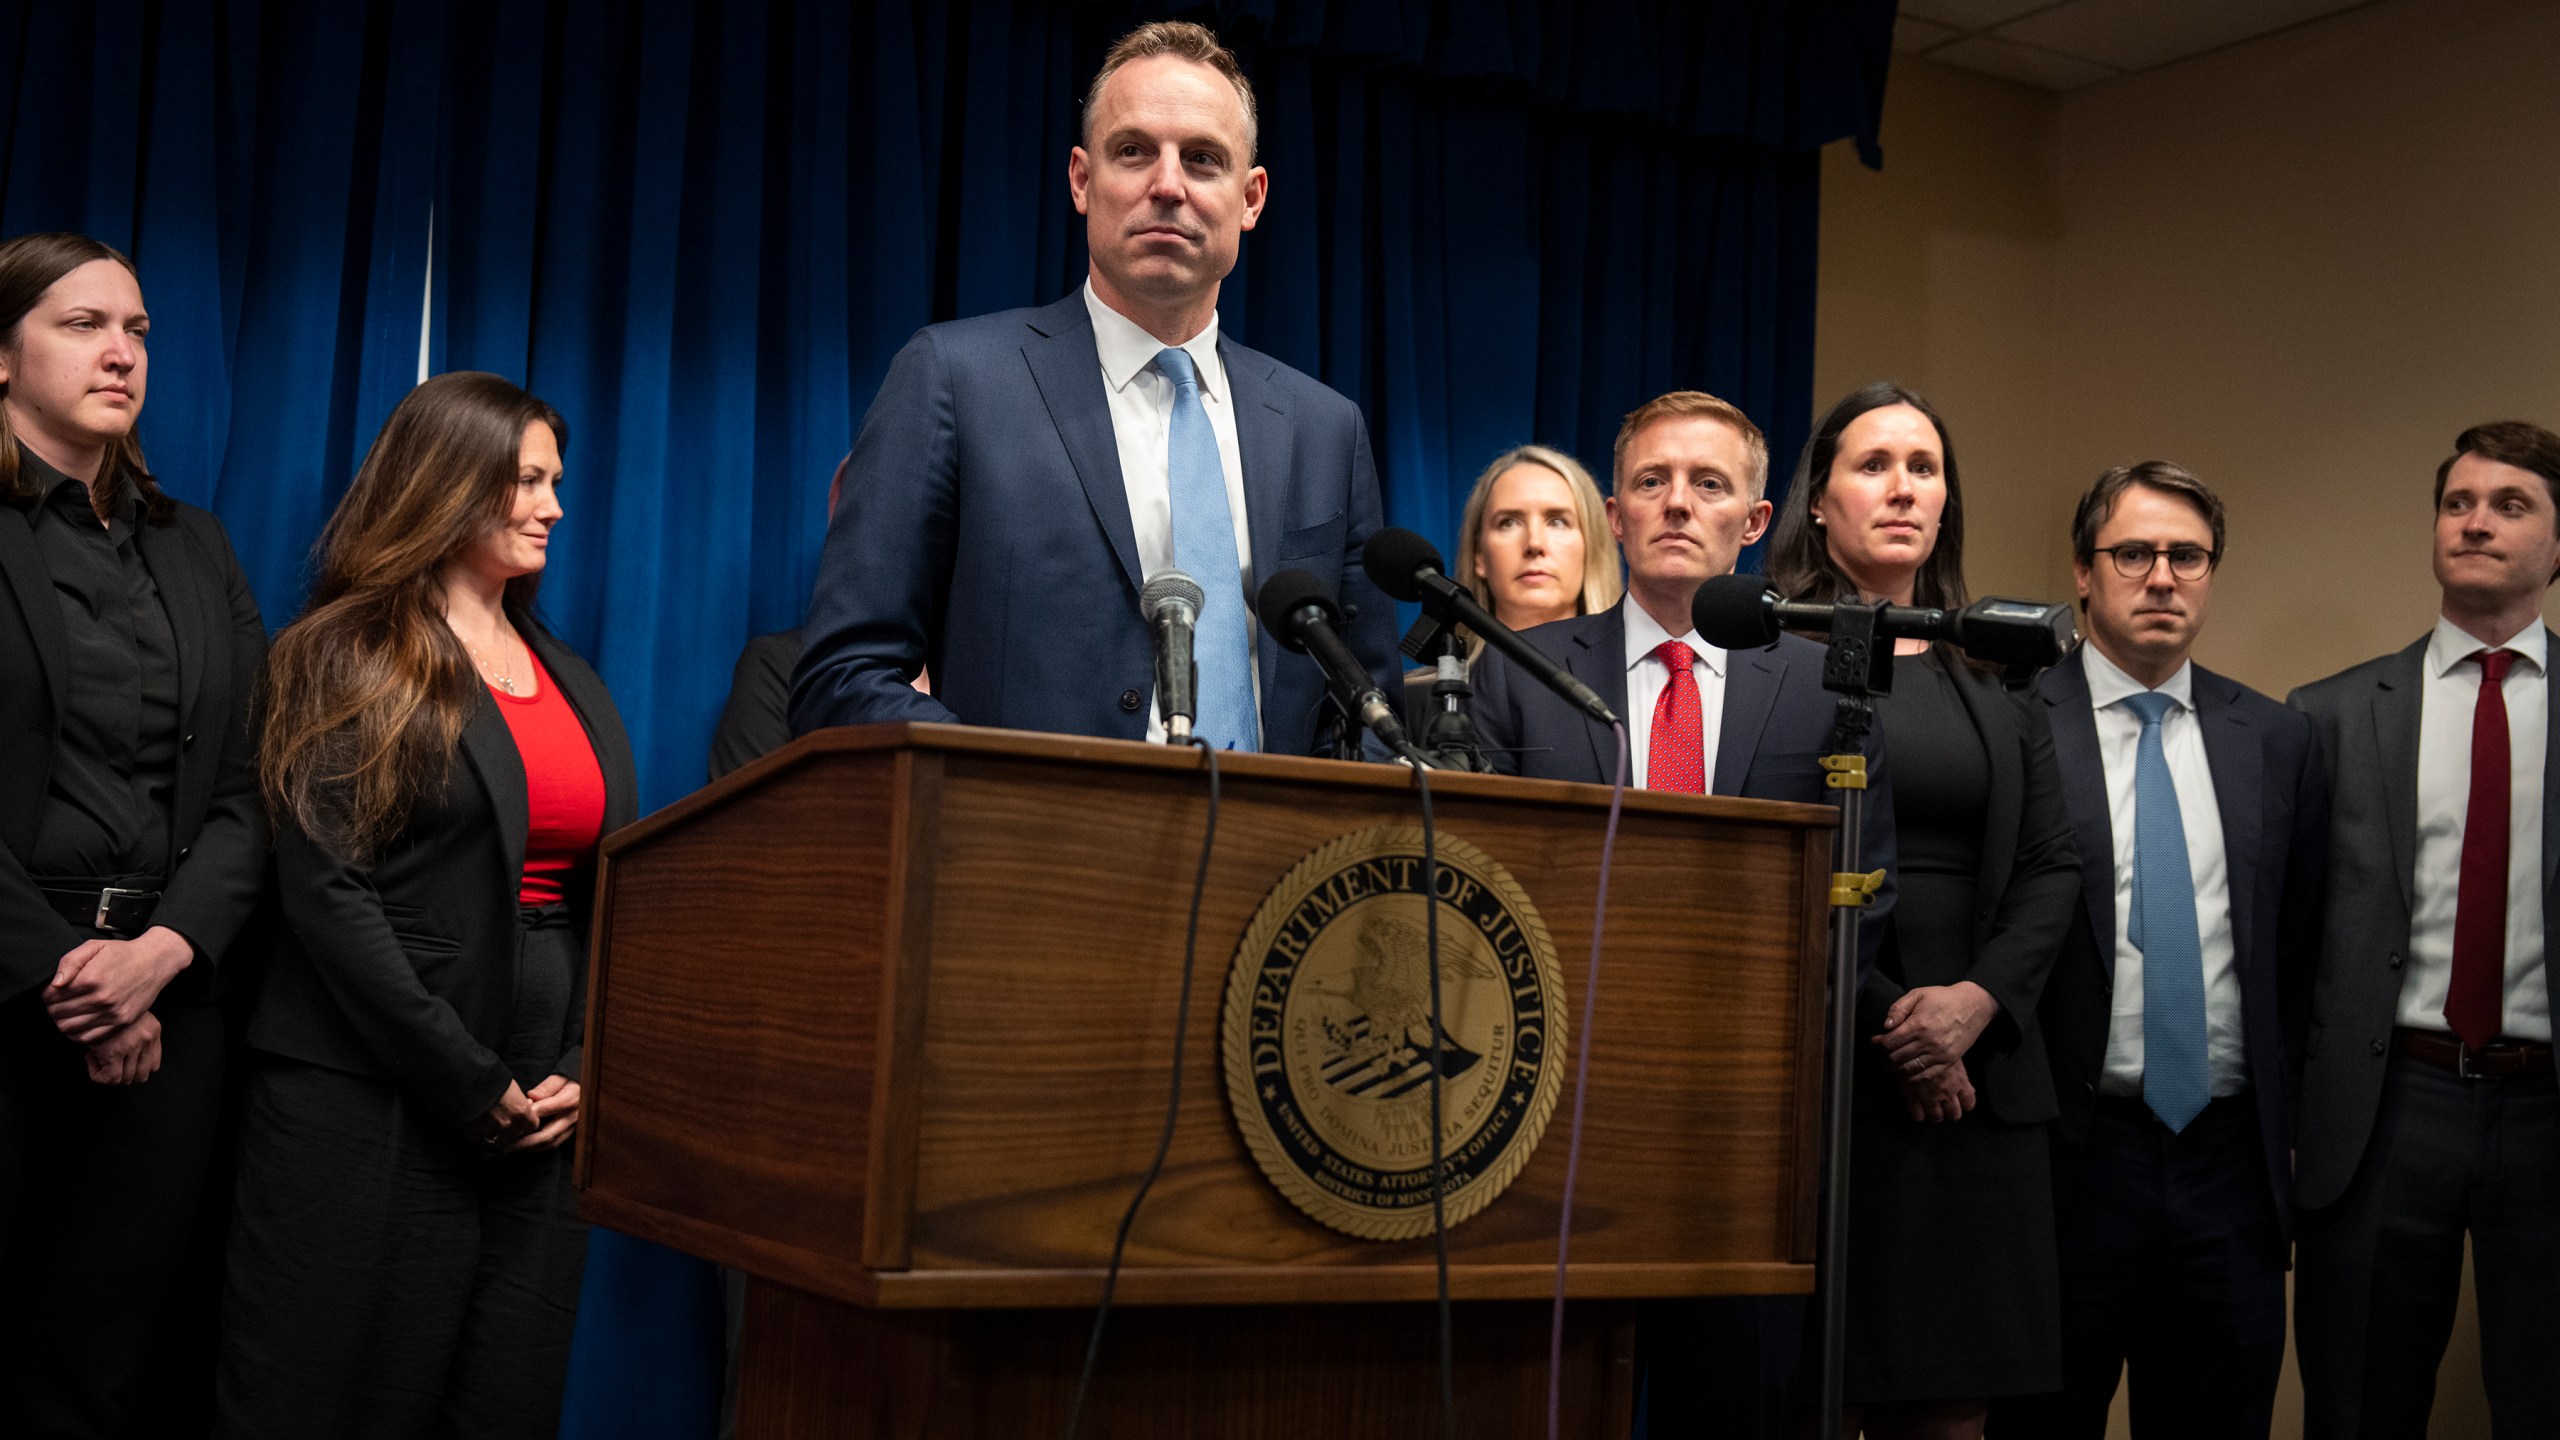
{"x": 2134, "y": 559}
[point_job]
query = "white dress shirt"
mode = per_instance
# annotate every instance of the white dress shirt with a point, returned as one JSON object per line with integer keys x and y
{"x": 2449, "y": 692}
{"x": 1646, "y": 677}
{"x": 2200, "y": 812}
{"x": 1142, "y": 424}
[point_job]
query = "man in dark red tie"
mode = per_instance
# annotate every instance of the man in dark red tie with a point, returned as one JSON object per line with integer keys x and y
{"x": 1688, "y": 490}
{"x": 2429, "y": 1108}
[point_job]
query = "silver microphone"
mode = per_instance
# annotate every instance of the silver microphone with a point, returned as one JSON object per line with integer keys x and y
{"x": 1171, "y": 602}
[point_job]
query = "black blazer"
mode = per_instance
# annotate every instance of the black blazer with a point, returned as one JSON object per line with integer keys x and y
{"x": 2025, "y": 895}
{"x": 407, "y": 970}
{"x": 2273, "y": 797}
{"x": 2367, "y": 720}
{"x": 1776, "y": 726}
{"x": 217, "y": 831}
{"x": 757, "y": 720}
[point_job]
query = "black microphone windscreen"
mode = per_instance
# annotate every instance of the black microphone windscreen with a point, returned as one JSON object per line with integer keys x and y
{"x": 1733, "y": 611}
{"x": 1284, "y": 595}
{"x": 1170, "y": 585}
{"x": 1391, "y": 558}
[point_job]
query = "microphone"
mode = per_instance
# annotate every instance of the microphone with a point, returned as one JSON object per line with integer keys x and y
{"x": 1740, "y": 612}
{"x": 1408, "y": 567}
{"x": 1301, "y": 614}
{"x": 1171, "y": 602}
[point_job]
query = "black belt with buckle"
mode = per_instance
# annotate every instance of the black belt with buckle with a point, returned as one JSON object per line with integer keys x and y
{"x": 120, "y": 910}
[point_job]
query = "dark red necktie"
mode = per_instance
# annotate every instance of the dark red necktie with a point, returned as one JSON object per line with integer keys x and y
{"x": 1673, "y": 758}
{"x": 2475, "y": 1001}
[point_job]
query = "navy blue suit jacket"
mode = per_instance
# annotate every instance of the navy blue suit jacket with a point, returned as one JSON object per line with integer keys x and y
{"x": 984, "y": 532}
{"x": 2273, "y": 796}
{"x": 1777, "y": 725}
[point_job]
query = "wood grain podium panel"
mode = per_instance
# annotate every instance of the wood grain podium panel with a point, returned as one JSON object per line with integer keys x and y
{"x": 888, "y": 1015}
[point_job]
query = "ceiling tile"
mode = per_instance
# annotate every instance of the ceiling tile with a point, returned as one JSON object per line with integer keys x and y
{"x": 2026, "y": 64}
{"x": 1911, "y": 34}
{"x": 2138, "y": 34}
{"x": 1973, "y": 14}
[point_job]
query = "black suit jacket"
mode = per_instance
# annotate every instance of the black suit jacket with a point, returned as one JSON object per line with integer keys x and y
{"x": 2026, "y": 891}
{"x": 217, "y": 833}
{"x": 757, "y": 719}
{"x": 406, "y": 970}
{"x": 2273, "y": 800}
{"x": 1776, "y": 726}
{"x": 2367, "y": 719}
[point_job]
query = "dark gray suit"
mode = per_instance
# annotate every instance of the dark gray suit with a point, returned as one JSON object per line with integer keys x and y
{"x": 2173, "y": 1247}
{"x": 2397, "y": 1160}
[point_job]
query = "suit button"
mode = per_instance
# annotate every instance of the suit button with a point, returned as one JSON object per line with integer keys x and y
{"x": 185, "y": 850}
{"x": 186, "y": 740}
{"x": 2395, "y": 962}
{"x": 2088, "y": 1087}
{"x": 2378, "y": 1047}
{"x": 1130, "y": 700}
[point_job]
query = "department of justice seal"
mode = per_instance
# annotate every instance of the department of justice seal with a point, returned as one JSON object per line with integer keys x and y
{"x": 1328, "y": 1032}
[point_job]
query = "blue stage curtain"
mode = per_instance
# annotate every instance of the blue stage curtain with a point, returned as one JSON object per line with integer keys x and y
{"x": 701, "y": 229}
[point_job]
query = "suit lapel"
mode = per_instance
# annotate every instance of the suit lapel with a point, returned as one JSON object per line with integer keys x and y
{"x": 2233, "y": 754}
{"x": 1068, "y": 369}
{"x": 1751, "y": 682}
{"x": 1263, "y": 441}
{"x": 491, "y": 749}
{"x": 166, "y": 554}
{"x": 2395, "y": 736}
{"x": 2084, "y": 791}
{"x": 24, "y": 566}
{"x": 1599, "y": 659}
{"x": 1997, "y": 723}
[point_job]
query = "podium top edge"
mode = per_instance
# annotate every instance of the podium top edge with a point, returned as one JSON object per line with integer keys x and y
{"x": 1130, "y": 755}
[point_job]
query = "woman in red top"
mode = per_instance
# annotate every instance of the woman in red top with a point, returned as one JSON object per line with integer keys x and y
{"x": 405, "y": 1253}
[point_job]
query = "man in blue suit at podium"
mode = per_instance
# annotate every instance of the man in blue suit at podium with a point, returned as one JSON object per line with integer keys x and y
{"x": 1021, "y": 475}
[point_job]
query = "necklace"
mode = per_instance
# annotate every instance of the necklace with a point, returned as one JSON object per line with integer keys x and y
{"x": 504, "y": 678}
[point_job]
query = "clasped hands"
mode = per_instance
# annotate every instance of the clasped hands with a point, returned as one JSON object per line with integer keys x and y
{"x": 100, "y": 997}
{"x": 540, "y": 1120}
{"x": 1925, "y": 1037}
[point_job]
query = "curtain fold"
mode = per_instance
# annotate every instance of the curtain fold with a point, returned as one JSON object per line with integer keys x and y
{"x": 701, "y": 229}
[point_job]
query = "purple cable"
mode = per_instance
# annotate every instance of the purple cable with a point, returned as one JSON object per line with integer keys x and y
{"x": 1581, "y": 1075}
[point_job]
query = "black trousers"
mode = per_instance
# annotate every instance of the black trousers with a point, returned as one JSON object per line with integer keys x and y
{"x": 2173, "y": 1273}
{"x": 2379, "y": 1273}
{"x": 386, "y": 1278}
{"x": 1724, "y": 1367}
{"x": 100, "y": 1189}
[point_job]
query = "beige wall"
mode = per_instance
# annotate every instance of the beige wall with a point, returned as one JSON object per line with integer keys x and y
{"x": 2298, "y": 266}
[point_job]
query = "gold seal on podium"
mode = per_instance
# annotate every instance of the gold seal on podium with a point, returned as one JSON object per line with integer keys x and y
{"x": 1328, "y": 1039}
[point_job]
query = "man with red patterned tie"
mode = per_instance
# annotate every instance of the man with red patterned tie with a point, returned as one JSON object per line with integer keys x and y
{"x": 1688, "y": 490}
{"x": 2429, "y": 1108}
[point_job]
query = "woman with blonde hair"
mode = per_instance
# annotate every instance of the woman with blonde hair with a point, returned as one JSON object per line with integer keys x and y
{"x": 1534, "y": 542}
{"x": 406, "y": 1252}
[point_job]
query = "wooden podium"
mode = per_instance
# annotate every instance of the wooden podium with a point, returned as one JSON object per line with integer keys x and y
{"x": 886, "y": 1020}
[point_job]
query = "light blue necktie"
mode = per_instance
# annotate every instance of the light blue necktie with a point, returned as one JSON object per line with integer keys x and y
{"x": 2163, "y": 928}
{"x": 1204, "y": 547}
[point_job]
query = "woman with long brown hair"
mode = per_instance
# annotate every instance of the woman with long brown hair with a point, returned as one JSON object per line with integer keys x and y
{"x": 131, "y": 849}
{"x": 1954, "y": 1292}
{"x": 405, "y": 1256}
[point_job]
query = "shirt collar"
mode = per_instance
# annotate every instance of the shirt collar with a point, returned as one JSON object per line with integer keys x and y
{"x": 2109, "y": 685}
{"x": 49, "y": 485}
{"x": 2450, "y": 645}
{"x": 1127, "y": 350}
{"x": 1645, "y": 635}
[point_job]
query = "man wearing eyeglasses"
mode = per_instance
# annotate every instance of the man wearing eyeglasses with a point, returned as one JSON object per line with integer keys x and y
{"x": 2173, "y": 1016}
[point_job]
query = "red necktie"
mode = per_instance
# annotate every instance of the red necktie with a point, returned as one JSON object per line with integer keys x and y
{"x": 2475, "y": 1001}
{"x": 1672, "y": 754}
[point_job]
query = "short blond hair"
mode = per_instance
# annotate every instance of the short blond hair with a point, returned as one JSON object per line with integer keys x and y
{"x": 1680, "y": 404}
{"x": 1183, "y": 40}
{"x": 1601, "y": 585}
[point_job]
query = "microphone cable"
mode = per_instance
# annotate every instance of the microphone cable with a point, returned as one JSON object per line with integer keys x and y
{"x": 1173, "y": 1102}
{"x": 1439, "y": 1160}
{"x": 1581, "y": 1079}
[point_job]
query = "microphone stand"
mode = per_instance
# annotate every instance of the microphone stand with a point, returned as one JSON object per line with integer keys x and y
{"x": 1857, "y": 665}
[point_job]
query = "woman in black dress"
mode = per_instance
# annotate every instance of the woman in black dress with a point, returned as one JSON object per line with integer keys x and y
{"x": 1952, "y": 1283}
